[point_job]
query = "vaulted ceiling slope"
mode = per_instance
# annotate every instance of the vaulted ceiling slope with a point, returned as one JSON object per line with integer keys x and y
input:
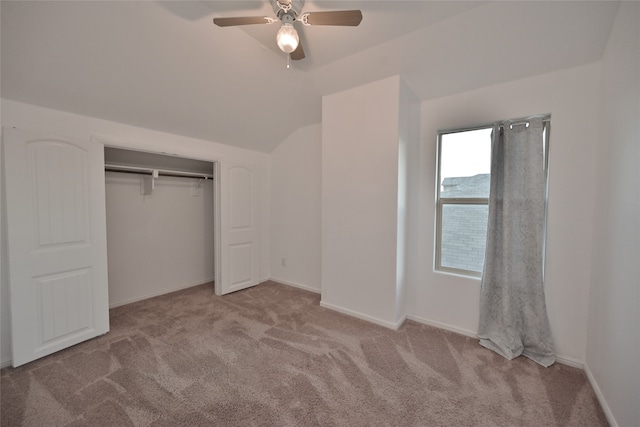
{"x": 165, "y": 66}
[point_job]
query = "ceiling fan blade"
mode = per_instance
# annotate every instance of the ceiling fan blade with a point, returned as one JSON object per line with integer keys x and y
{"x": 242, "y": 20}
{"x": 350, "y": 18}
{"x": 298, "y": 53}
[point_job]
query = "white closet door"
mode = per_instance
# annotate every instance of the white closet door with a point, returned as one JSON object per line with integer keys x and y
{"x": 57, "y": 243}
{"x": 239, "y": 235}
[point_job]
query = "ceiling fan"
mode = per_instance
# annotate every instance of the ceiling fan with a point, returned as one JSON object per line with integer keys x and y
{"x": 288, "y": 12}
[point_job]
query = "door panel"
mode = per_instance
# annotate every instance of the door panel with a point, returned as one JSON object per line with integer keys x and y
{"x": 241, "y": 264}
{"x": 239, "y": 228}
{"x": 56, "y": 242}
{"x": 240, "y": 198}
{"x": 59, "y": 178}
{"x": 56, "y": 294}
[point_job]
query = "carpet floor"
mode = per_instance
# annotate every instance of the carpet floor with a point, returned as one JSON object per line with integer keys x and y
{"x": 271, "y": 356}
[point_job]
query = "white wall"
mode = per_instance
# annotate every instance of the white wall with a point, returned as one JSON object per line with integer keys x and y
{"x": 355, "y": 172}
{"x": 160, "y": 242}
{"x": 613, "y": 345}
{"x": 360, "y": 153}
{"x": 5, "y": 314}
{"x": 5, "y": 310}
{"x": 296, "y": 208}
{"x": 4, "y": 277}
{"x": 571, "y": 97}
{"x": 30, "y": 117}
{"x": 408, "y": 185}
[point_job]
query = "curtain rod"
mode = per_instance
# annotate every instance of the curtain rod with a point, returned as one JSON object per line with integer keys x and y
{"x": 516, "y": 121}
{"x": 547, "y": 119}
{"x": 151, "y": 171}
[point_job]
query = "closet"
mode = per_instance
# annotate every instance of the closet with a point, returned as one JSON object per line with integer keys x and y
{"x": 160, "y": 224}
{"x": 84, "y": 234}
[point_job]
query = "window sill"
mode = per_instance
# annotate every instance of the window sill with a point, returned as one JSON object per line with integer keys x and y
{"x": 461, "y": 275}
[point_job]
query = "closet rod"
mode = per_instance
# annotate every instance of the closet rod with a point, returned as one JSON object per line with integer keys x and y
{"x": 149, "y": 171}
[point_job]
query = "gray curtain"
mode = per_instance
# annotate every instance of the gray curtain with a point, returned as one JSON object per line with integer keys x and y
{"x": 513, "y": 313}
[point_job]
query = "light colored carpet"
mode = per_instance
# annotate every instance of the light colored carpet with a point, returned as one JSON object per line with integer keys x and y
{"x": 270, "y": 356}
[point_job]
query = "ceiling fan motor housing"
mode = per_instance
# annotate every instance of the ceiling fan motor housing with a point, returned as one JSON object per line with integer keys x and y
{"x": 288, "y": 7}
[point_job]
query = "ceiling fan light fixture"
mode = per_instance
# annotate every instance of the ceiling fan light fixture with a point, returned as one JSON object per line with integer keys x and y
{"x": 287, "y": 38}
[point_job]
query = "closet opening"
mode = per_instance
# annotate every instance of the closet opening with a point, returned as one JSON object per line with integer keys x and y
{"x": 161, "y": 223}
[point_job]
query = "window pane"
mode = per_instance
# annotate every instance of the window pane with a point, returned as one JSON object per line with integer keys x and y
{"x": 476, "y": 186}
{"x": 465, "y": 163}
{"x": 464, "y": 235}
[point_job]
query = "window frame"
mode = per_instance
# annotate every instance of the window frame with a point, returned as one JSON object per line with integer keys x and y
{"x": 438, "y": 267}
{"x": 440, "y": 202}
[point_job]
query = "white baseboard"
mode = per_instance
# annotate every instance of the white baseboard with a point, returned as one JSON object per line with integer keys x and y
{"x": 565, "y": 360}
{"x": 570, "y": 361}
{"x": 400, "y": 321}
{"x": 444, "y": 326}
{"x": 362, "y": 316}
{"x": 157, "y": 294}
{"x": 5, "y": 363}
{"x": 603, "y": 402}
{"x": 295, "y": 285}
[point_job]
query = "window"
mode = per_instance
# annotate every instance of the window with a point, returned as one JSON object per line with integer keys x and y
{"x": 464, "y": 167}
{"x": 464, "y": 177}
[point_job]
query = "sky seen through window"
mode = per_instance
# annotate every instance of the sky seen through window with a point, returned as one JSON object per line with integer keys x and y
{"x": 465, "y": 153}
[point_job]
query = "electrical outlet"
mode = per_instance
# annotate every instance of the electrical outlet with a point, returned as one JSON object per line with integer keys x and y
{"x": 284, "y": 262}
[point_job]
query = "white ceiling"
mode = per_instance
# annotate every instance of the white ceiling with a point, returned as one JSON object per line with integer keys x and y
{"x": 165, "y": 66}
